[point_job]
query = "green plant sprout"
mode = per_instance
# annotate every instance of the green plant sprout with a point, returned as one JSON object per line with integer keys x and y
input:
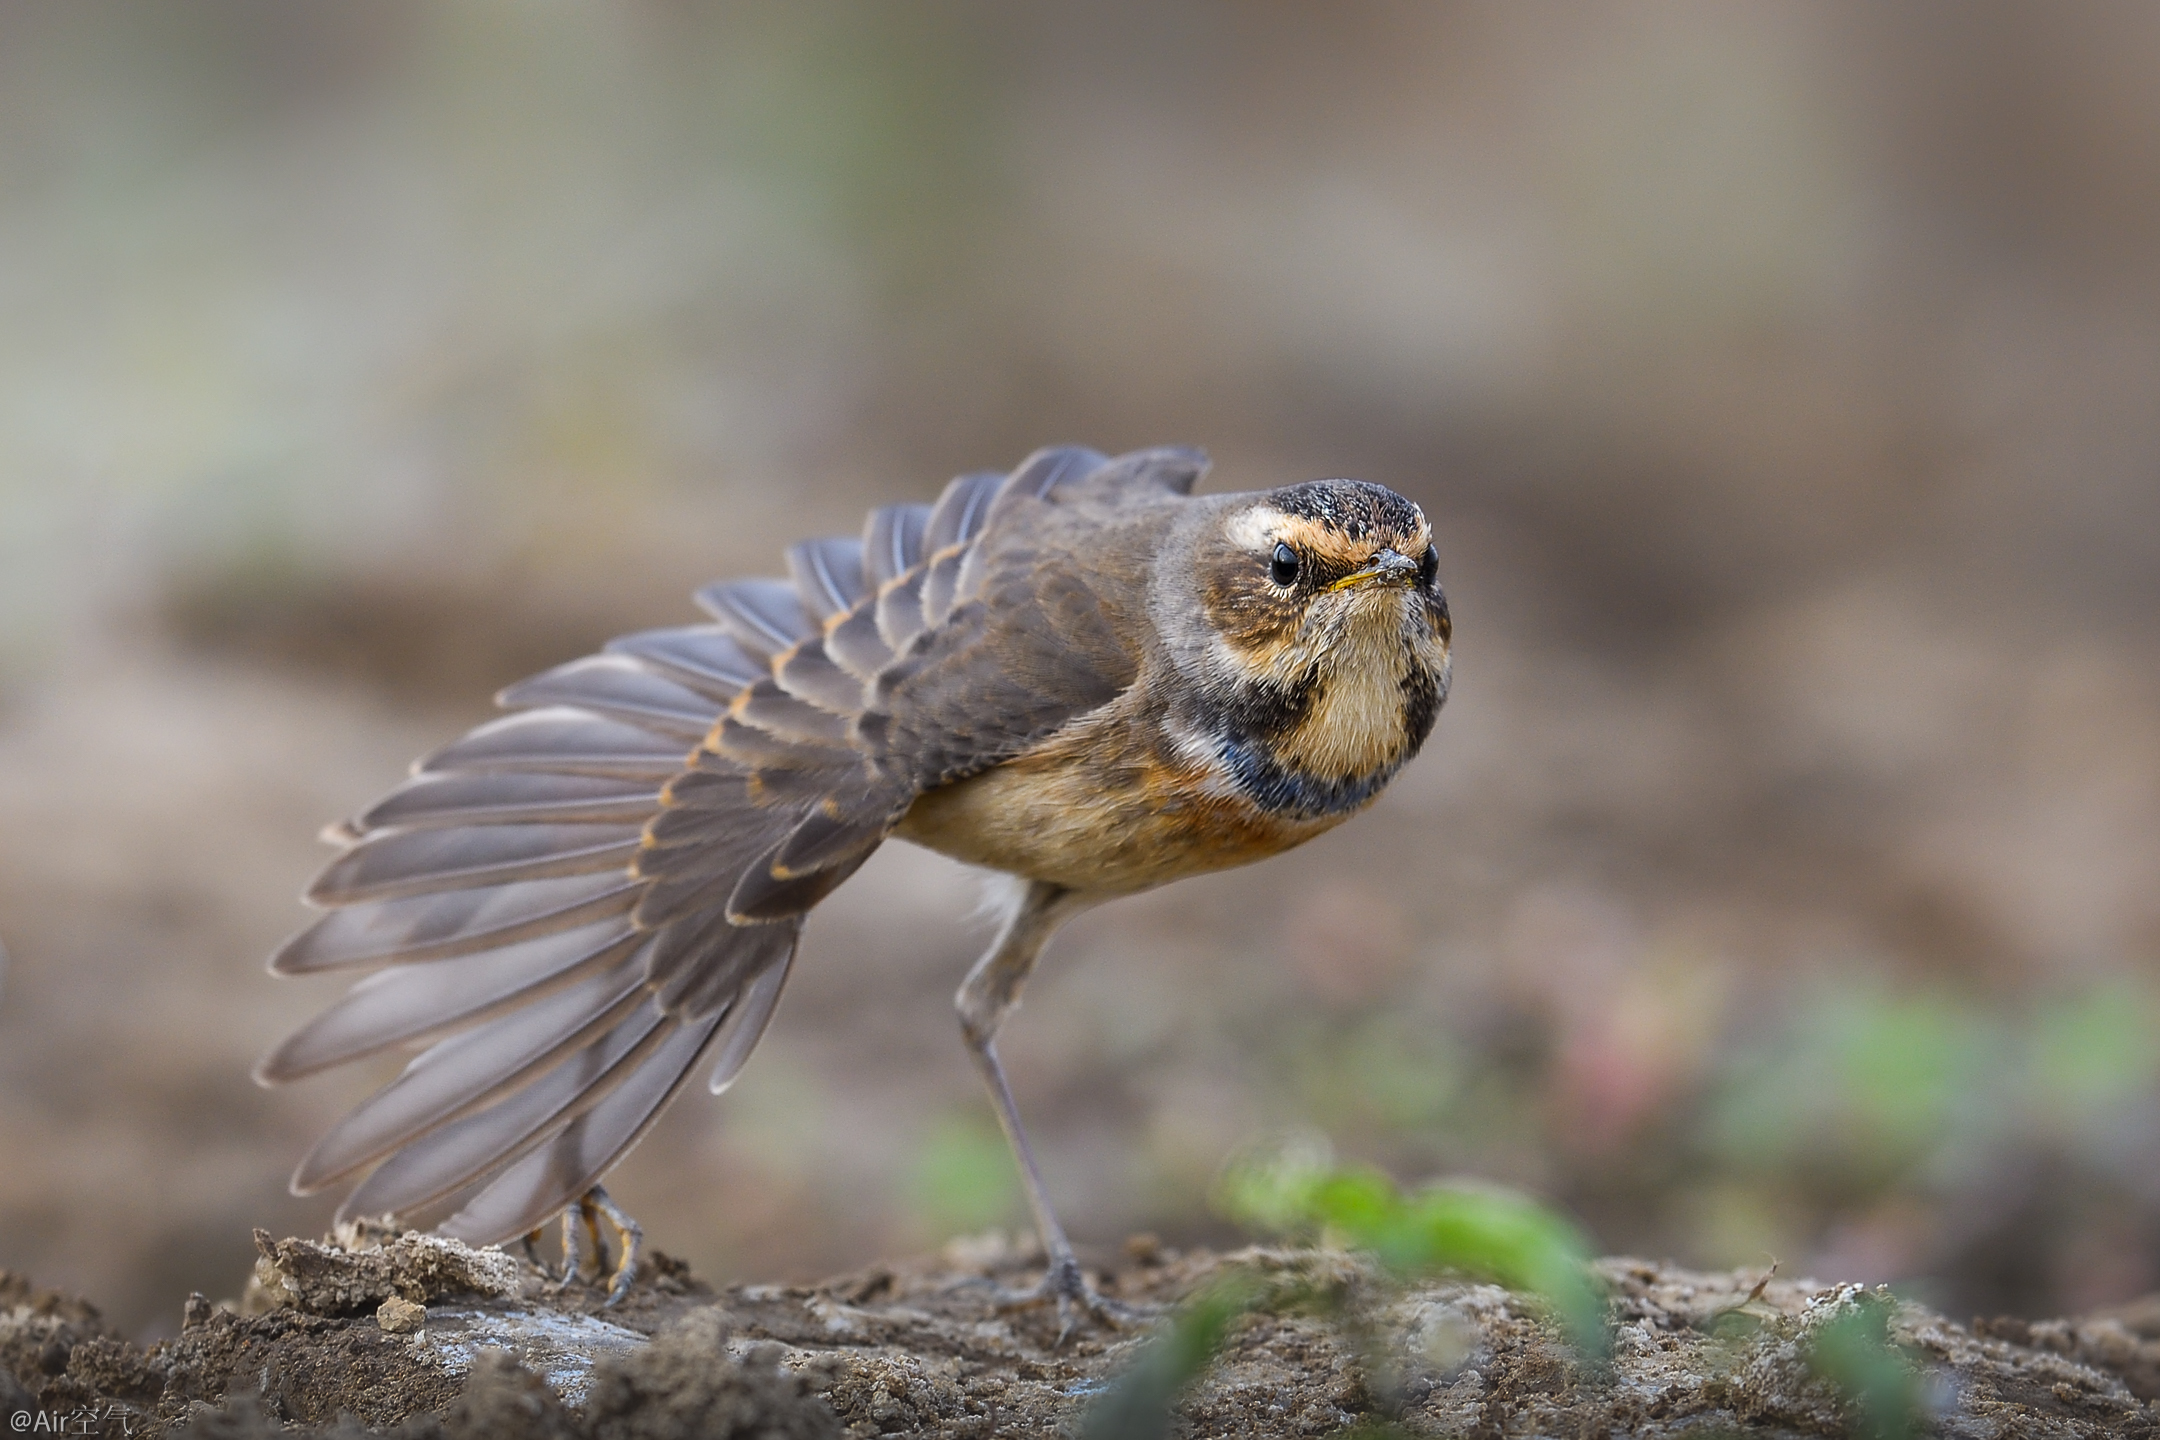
{"x": 1138, "y": 1406}
{"x": 1297, "y": 1192}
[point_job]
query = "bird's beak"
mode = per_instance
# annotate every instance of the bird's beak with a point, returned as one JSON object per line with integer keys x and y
{"x": 1389, "y": 564}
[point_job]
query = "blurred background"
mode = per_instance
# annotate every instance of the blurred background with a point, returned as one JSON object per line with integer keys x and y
{"x": 1783, "y": 880}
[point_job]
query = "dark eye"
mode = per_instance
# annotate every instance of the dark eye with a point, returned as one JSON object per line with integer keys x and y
{"x": 1428, "y": 568}
{"x": 1283, "y": 569}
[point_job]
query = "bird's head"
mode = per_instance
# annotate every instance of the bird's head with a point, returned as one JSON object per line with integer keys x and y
{"x": 1323, "y": 635}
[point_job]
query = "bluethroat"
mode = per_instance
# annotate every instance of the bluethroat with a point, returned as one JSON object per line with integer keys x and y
{"x": 1078, "y": 675}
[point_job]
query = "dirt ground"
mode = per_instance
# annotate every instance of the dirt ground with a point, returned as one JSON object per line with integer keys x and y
{"x": 427, "y": 1338}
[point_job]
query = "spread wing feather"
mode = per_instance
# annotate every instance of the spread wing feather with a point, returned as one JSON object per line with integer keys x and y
{"x": 447, "y": 1157}
{"x": 571, "y": 1160}
{"x": 744, "y": 1025}
{"x": 397, "y": 1007}
{"x": 469, "y": 1070}
{"x": 1029, "y": 639}
{"x": 893, "y": 542}
{"x": 808, "y": 673}
{"x": 573, "y": 905}
{"x": 764, "y": 616}
{"x": 433, "y": 801}
{"x": 457, "y": 922}
{"x": 390, "y": 863}
{"x": 509, "y": 864}
{"x": 828, "y": 574}
{"x": 1034, "y": 483}
{"x": 940, "y": 585}
{"x": 561, "y": 740}
{"x": 719, "y": 957}
{"x": 791, "y": 720}
{"x": 618, "y": 687}
{"x": 958, "y": 515}
{"x": 856, "y": 645}
{"x": 900, "y": 612}
{"x": 703, "y": 657}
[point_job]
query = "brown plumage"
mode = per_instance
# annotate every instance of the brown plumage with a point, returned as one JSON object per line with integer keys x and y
{"x": 1077, "y": 674}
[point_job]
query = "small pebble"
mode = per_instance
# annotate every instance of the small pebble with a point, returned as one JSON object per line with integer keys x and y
{"x": 399, "y": 1316}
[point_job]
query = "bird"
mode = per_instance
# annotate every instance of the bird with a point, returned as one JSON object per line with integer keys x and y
{"x": 1078, "y": 675}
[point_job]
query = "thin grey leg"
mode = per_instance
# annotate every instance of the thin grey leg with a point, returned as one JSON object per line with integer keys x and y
{"x": 987, "y": 996}
{"x": 629, "y": 1235}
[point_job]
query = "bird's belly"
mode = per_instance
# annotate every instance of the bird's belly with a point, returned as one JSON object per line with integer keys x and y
{"x": 1071, "y": 816}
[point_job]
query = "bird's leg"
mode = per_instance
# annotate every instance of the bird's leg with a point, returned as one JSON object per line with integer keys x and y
{"x": 531, "y": 1245}
{"x": 573, "y": 1255}
{"x": 990, "y": 992}
{"x": 586, "y": 1215}
{"x": 628, "y": 1234}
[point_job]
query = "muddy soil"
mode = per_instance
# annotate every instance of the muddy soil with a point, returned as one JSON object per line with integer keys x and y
{"x": 424, "y": 1338}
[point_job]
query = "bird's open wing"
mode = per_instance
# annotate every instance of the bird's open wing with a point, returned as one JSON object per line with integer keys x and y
{"x": 1044, "y": 619}
{"x": 573, "y": 906}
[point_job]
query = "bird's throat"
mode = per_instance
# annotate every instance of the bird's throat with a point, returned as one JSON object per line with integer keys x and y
{"x": 1330, "y": 741}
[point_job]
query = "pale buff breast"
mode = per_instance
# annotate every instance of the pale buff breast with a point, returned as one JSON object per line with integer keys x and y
{"x": 1355, "y": 723}
{"x": 1072, "y": 814}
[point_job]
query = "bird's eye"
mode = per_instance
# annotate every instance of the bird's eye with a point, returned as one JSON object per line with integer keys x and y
{"x": 1428, "y": 568}
{"x": 1283, "y": 568}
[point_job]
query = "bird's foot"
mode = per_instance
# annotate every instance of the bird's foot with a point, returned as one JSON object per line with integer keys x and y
{"x": 1065, "y": 1287}
{"x": 591, "y": 1207}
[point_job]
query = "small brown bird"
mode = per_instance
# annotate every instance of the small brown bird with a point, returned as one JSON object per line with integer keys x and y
{"x": 1077, "y": 674}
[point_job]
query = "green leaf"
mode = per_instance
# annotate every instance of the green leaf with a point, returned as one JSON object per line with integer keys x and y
{"x": 1491, "y": 1234}
{"x": 1138, "y": 1406}
{"x": 1296, "y": 1190}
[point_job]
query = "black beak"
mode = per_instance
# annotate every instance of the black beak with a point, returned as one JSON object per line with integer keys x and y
{"x": 1391, "y": 564}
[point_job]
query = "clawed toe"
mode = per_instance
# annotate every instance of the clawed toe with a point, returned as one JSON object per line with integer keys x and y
{"x": 585, "y": 1217}
{"x": 1064, "y": 1286}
